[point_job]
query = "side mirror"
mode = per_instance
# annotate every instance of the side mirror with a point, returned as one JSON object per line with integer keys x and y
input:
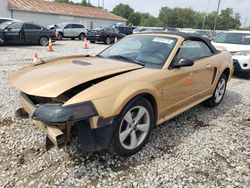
{"x": 7, "y": 29}
{"x": 183, "y": 62}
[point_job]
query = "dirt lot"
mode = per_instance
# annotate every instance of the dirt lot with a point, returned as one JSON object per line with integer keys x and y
{"x": 200, "y": 148}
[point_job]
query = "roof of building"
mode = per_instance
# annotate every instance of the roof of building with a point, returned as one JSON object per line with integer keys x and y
{"x": 42, "y": 6}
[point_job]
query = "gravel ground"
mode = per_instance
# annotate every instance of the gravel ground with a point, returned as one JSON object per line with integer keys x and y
{"x": 200, "y": 148}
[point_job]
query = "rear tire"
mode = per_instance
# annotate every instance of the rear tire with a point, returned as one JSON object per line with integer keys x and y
{"x": 44, "y": 41}
{"x": 108, "y": 41}
{"x": 219, "y": 93}
{"x": 134, "y": 126}
{"x": 82, "y": 36}
{"x": 92, "y": 41}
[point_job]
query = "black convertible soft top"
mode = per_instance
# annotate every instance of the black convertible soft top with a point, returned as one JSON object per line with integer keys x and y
{"x": 187, "y": 36}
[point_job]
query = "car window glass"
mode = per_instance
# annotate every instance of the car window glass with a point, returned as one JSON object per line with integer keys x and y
{"x": 69, "y": 26}
{"x": 234, "y": 38}
{"x": 191, "y": 49}
{"x": 207, "y": 49}
{"x": 16, "y": 26}
{"x": 32, "y": 27}
{"x": 152, "y": 51}
{"x": 77, "y": 26}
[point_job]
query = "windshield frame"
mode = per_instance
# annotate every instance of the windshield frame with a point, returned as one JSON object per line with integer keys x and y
{"x": 228, "y": 33}
{"x": 174, "y": 38}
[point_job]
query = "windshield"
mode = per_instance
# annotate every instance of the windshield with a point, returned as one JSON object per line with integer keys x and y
{"x": 5, "y": 24}
{"x": 234, "y": 38}
{"x": 150, "y": 51}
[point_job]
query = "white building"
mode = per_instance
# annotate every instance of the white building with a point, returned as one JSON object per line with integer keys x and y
{"x": 48, "y": 13}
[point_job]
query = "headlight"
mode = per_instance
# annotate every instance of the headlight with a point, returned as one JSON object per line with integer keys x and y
{"x": 56, "y": 113}
{"x": 244, "y": 53}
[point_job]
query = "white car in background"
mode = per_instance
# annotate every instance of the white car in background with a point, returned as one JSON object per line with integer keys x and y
{"x": 238, "y": 44}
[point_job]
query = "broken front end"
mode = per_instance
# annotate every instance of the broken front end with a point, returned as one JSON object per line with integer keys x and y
{"x": 61, "y": 123}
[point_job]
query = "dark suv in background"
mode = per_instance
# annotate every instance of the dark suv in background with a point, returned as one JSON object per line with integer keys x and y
{"x": 106, "y": 35}
{"x": 125, "y": 30}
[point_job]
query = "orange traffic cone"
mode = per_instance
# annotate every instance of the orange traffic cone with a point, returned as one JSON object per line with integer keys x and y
{"x": 35, "y": 59}
{"x": 85, "y": 43}
{"x": 50, "y": 47}
{"x": 116, "y": 39}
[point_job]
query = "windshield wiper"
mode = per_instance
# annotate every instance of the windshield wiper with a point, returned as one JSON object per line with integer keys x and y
{"x": 127, "y": 59}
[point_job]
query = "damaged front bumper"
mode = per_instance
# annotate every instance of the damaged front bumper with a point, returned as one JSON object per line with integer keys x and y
{"x": 59, "y": 123}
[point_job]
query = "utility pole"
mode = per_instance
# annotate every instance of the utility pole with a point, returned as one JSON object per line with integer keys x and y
{"x": 98, "y": 3}
{"x": 103, "y": 4}
{"x": 206, "y": 13}
{"x": 217, "y": 14}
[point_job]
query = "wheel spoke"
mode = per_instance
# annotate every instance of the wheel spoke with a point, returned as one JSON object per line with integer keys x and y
{"x": 143, "y": 127}
{"x": 124, "y": 134}
{"x": 128, "y": 118}
{"x": 216, "y": 95}
{"x": 133, "y": 140}
{"x": 140, "y": 114}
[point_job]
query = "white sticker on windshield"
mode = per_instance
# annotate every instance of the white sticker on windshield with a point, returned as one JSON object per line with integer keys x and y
{"x": 247, "y": 37}
{"x": 163, "y": 40}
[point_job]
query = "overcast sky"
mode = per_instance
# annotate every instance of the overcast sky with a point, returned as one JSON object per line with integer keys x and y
{"x": 153, "y": 6}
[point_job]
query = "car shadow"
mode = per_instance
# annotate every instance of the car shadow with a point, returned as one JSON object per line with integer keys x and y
{"x": 163, "y": 141}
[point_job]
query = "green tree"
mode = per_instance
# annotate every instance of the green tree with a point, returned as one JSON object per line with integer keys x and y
{"x": 228, "y": 19}
{"x": 82, "y": 3}
{"x": 149, "y": 21}
{"x": 180, "y": 17}
{"x": 134, "y": 18}
{"x": 122, "y": 10}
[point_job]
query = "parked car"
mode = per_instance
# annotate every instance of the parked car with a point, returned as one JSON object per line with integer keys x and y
{"x": 114, "y": 100}
{"x": 106, "y": 35}
{"x": 125, "y": 30}
{"x": 70, "y": 30}
{"x": 25, "y": 33}
{"x": 148, "y": 29}
{"x": 206, "y": 33}
{"x": 238, "y": 44}
{"x": 140, "y": 29}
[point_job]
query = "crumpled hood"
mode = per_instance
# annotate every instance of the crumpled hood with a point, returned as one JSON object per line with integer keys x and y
{"x": 52, "y": 79}
{"x": 233, "y": 47}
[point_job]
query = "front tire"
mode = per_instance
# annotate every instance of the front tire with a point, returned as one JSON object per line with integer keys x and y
{"x": 134, "y": 126}
{"x": 59, "y": 36}
{"x": 219, "y": 93}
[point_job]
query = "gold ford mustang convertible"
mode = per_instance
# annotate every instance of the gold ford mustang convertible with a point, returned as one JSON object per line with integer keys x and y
{"x": 114, "y": 100}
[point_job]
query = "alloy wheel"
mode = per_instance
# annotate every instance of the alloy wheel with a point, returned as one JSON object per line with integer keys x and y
{"x": 44, "y": 41}
{"x": 134, "y": 127}
{"x": 220, "y": 90}
{"x": 108, "y": 40}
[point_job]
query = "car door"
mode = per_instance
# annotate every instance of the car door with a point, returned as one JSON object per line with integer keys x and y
{"x": 188, "y": 85}
{"x": 68, "y": 31}
{"x": 14, "y": 33}
{"x": 32, "y": 32}
{"x": 78, "y": 29}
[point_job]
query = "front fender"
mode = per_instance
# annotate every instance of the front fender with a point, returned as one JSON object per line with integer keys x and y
{"x": 110, "y": 101}
{"x": 131, "y": 91}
